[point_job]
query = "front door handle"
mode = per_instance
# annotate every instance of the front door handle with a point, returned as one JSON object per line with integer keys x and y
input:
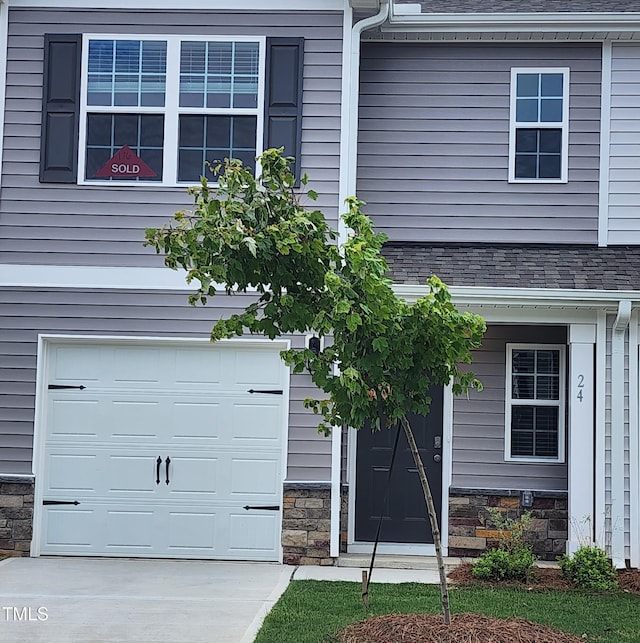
{"x": 437, "y": 457}
{"x": 167, "y": 462}
{"x": 158, "y": 463}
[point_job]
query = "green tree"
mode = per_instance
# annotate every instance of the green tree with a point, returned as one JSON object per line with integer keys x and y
{"x": 253, "y": 233}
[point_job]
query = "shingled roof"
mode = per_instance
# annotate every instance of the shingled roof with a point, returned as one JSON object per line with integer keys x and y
{"x": 517, "y": 6}
{"x": 517, "y": 266}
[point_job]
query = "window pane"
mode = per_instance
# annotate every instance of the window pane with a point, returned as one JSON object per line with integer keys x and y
{"x": 551, "y": 85}
{"x": 522, "y": 443}
{"x": 108, "y": 136}
{"x": 524, "y": 361}
{"x": 548, "y": 361}
{"x": 220, "y": 57}
{"x": 551, "y": 141}
{"x": 190, "y": 165}
{"x": 546, "y": 418}
{"x": 522, "y": 417}
{"x": 527, "y": 110}
{"x": 191, "y": 131}
{"x": 127, "y": 73}
{"x": 526, "y": 140}
{"x": 99, "y": 130}
{"x": 526, "y": 166}
{"x": 551, "y": 110}
{"x": 523, "y": 387}
{"x": 550, "y": 167}
{"x": 527, "y": 85}
{"x": 214, "y": 138}
{"x": 547, "y": 387}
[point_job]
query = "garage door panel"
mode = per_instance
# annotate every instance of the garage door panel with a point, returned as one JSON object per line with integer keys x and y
{"x": 65, "y": 529}
{"x": 72, "y": 473}
{"x": 133, "y": 529}
{"x": 188, "y": 404}
{"x": 253, "y": 535}
{"x": 198, "y": 420}
{"x": 73, "y": 419}
{"x": 193, "y": 475}
{"x": 257, "y": 367}
{"x": 255, "y": 477}
{"x": 256, "y": 421}
{"x": 189, "y": 530}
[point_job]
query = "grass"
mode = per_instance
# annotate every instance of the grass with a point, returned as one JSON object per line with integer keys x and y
{"x": 314, "y": 611}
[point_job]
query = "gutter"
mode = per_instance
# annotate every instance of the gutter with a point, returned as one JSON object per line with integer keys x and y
{"x": 408, "y": 18}
{"x": 348, "y": 166}
{"x": 617, "y": 432}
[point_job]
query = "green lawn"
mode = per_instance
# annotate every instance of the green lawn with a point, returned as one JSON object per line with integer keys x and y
{"x": 313, "y": 611}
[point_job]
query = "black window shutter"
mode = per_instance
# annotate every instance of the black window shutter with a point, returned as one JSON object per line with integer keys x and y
{"x": 60, "y": 109}
{"x": 283, "y": 97}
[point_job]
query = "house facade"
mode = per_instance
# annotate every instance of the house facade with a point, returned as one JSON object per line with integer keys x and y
{"x": 497, "y": 149}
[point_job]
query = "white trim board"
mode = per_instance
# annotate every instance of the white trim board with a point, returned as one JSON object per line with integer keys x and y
{"x": 46, "y": 341}
{"x": 4, "y": 31}
{"x": 605, "y": 140}
{"x": 208, "y": 5}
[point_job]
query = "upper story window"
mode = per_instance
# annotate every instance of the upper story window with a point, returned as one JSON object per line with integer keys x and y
{"x": 539, "y": 126}
{"x": 159, "y": 109}
{"x": 535, "y": 394}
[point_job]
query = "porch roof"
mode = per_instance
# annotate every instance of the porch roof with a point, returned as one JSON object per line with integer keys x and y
{"x": 580, "y": 267}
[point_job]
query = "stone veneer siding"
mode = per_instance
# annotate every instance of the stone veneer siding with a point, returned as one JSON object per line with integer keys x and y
{"x": 16, "y": 515}
{"x": 306, "y": 524}
{"x": 470, "y": 531}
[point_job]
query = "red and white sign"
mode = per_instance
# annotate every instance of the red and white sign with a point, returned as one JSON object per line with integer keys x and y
{"x": 125, "y": 164}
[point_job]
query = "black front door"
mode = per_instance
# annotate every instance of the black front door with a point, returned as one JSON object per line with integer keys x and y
{"x": 405, "y": 518}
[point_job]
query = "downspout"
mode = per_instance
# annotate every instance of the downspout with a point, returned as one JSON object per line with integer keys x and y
{"x": 617, "y": 432}
{"x": 348, "y": 163}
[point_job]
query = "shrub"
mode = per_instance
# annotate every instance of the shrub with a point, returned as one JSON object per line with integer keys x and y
{"x": 515, "y": 563}
{"x": 512, "y": 559}
{"x": 589, "y": 568}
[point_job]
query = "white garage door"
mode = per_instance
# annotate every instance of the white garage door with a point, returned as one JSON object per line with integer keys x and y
{"x": 168, "y": 450}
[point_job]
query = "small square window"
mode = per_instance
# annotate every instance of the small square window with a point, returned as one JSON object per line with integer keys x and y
{"x": 539, "y": 125}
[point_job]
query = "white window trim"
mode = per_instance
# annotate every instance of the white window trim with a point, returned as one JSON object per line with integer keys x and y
{"x": 561, "y": 403}
{"x": 564, "y": 125}
{"x": 171, "y": 110}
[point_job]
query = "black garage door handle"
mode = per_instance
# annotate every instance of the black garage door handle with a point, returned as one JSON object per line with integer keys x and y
{"x": 158, "y": 463}
{"x": 167, "y": 462}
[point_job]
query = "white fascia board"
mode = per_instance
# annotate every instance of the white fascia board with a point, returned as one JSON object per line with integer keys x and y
{"x": 511, "y": 22}
{"x": 554, "y": 297}
{"x": 209, "y": 5}
{"x": 31, "y": 276}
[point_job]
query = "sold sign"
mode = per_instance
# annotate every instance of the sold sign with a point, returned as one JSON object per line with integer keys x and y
{"x": 125, "y": 164}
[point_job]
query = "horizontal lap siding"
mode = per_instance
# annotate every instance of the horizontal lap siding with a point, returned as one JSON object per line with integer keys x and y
{"x": 434, "y": 144}
{"x": 89, "y": 225}
{"x": 479, "y": 421}
{"x": 624, "y": 147}
{"x": 25, "y": 313}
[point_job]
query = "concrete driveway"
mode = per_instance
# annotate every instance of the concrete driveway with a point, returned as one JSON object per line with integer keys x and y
{"x": 159, "y": 601}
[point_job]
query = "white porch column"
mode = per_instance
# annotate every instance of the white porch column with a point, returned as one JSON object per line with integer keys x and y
{"x": 582, "y": 338}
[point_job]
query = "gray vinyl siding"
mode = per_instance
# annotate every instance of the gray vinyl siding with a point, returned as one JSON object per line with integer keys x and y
{"x": 90, "y": 225}
{"x": 25, "y": 313}
{"x": 479, "y": 420}
{"x": 624, "y": 147}
{"x": 434, "y": 144}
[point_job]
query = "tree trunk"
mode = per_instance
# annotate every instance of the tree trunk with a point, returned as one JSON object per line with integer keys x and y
{"x": 433, "y": 518}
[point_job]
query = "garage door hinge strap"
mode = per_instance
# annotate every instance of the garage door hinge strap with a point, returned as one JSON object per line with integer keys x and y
{"x": 57, "y": 387}
{"x": 274, "y": 392}
{"x": 60, "y": 502}
{"x": 268, "y": 508}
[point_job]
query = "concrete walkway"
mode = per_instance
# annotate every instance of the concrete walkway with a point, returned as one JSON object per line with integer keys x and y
{"x": 73, "y": 600}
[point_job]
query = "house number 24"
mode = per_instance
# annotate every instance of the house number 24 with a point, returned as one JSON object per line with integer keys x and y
{"x": 580, "y": 395}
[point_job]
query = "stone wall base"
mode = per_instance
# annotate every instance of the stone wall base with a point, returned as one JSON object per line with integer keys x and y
{"x": 306, "y": 524}
{"x": 16, "y": 515}
{"x": 471, "y": 535}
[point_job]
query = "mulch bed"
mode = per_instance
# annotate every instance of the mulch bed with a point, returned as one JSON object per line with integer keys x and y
{"x": 544, "y": 578}
{"x": 464, "y": 628}
{"x": 475, "y": 628}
